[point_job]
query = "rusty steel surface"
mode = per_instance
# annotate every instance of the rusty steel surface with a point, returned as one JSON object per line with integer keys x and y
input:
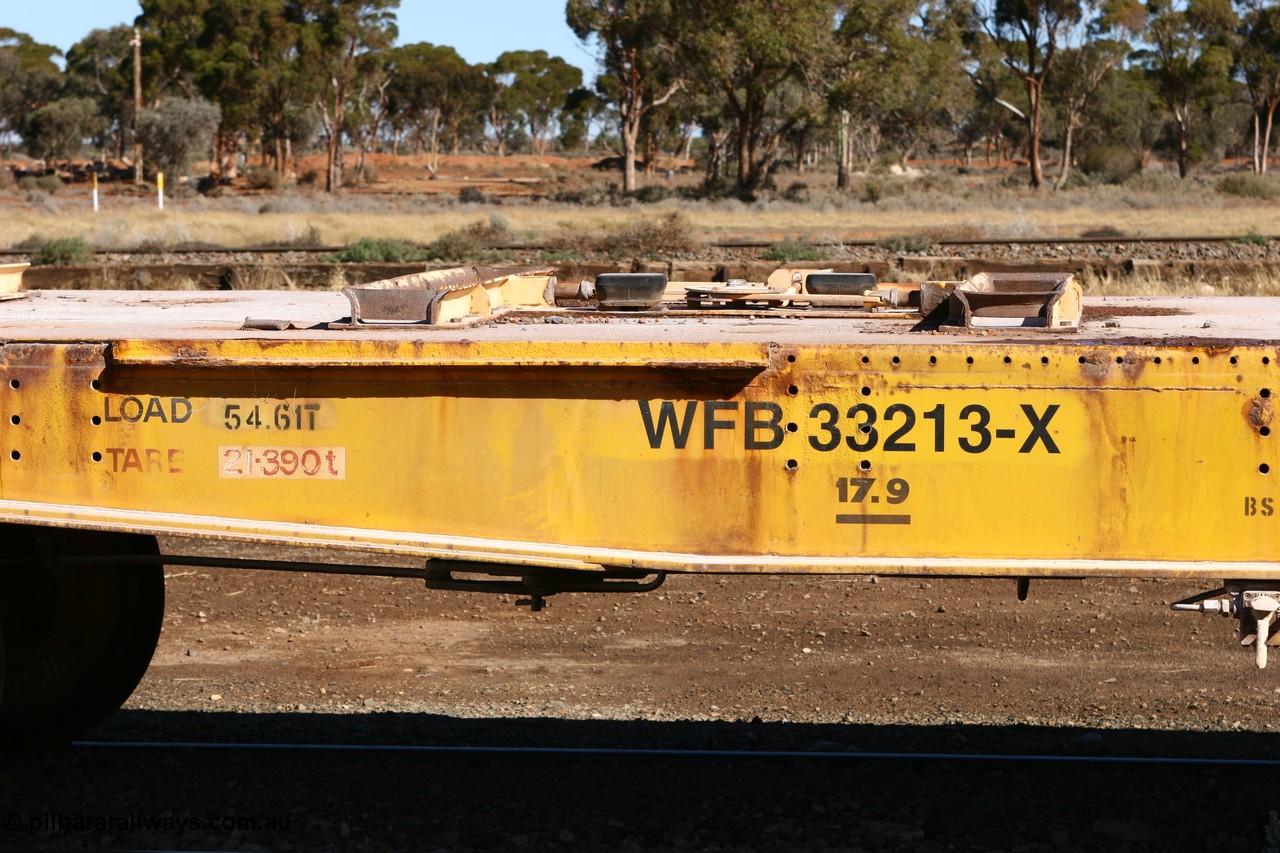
{"x": 1140, "y": 446}
{"x": 1048, "y": 300}
{"x": 415, "y": 297}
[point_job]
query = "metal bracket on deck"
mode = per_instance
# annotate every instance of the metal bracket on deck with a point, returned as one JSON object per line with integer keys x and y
{"x": 1005, "y": 301}
{"x": 449, "y": 296}
{"x": 11, "y": 281}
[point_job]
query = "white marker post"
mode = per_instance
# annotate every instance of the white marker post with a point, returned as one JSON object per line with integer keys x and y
{"x": 95, "y": 192}
{"x": 160, "y": 188}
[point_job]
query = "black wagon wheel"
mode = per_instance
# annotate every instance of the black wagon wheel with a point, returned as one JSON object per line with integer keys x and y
{"x": 80, "y": 615}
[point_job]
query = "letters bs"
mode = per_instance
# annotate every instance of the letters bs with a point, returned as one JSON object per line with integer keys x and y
{"x": 1258, "y": 506}
{"x": 171, "y": 410}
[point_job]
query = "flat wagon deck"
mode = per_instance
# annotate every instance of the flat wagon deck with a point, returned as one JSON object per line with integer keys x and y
{"x": 543, "y": 449}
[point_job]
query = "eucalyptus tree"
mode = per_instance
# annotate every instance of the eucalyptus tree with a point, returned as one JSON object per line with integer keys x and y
{"x": 248, "y": 65}
{"x": 1189, "y": 60}
{"x": 758, "y": 55}
{"x": 428, "y": 86}
{"x": 1126, "y": 111}
{"x": 367, "y": 111}
{"x": 995, "y": 90}
{"x": 1028, "y": 34}
{"x": 501, "y": 113}
{"x": 57, "y": 130}
{"x": 1258, "y": 63}
{"x": 925, "y": 93}
{"x": 584, "y": 110}
{"x": 240, "y": 54}
{"x": 638, "y": 55}
{"x": 339, "y": 42}
{"x": 536, "y": 88}
{"x": 100, "y": 66}
{"x": 862, "y": 67}
{"x": 29, "y": 79}
{"x": 1095, "y": 48}
{"x": 172, "y": 31}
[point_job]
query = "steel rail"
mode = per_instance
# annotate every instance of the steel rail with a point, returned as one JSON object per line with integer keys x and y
{"x": 720, "y": 244}
{"x": 722, "y": 754}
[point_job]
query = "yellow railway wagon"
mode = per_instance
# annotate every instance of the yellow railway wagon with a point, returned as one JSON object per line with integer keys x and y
{"x": 513, "y": 444}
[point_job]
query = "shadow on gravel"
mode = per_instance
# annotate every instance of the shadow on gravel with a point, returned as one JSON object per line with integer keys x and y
{"x": 103, "y": 798}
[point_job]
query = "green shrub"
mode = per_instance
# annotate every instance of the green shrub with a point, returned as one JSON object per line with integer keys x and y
{"x": 905, "y": 244}
{"x": 1111, "y": 164}
{"x": 365, "y": 175}
{"x": 797, "y": 192}
{"x": 471, "y": 195}
{"x": 1252, "y": 238}
{"x": 41, "y": 183}
{"x": 1103, "y": 232}
{"x": 209, "y": 185}
{"x": 938, "y": 182}
{"x": 471, "y": 243}
{"x": 1154, "y": 182}
{"x": 262, "y": 178}
{"x": 652, "y": 193}
{"x": 669, "y": 235}
{"x": 872, "y": 191}
{"x": 372, "y": 250}
{"x": 62, "y": 251}
{"x": 665, "y": 237}
{"x": 1249, "y": 186}
{"x": 793, "y": 250}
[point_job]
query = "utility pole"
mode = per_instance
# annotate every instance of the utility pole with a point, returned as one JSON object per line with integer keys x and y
{"x": 137, "y": 103}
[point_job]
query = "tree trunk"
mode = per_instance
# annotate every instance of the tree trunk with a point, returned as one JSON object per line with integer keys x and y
{"x": 1068, "y": 142}
{"x": 715, "y": 157}
{"x": 1184, "y": 165}
{"x": 1258, "y": 168}
{"x": 844, "y": 151}
{"x": 1266, "y": 136}
{"x": 217, "y": 152}
{"x": 685, "y": 151}
{"x": 630, "y": 142}
{"x": 1033, "y": 133}
{"x": 334, "y": 180}
{"x": 741, "y": 150}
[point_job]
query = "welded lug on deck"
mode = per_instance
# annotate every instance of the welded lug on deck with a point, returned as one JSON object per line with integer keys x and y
{"x": 444, "y": 295}
{"x": 1255, "y": 608}
{"x": 1050, "y": 301}
{"x": 11, "y": 280}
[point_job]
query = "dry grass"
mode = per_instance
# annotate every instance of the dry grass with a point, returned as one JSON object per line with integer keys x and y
{"x": 1144, "y": 284}
{"x": 946, "y": 207}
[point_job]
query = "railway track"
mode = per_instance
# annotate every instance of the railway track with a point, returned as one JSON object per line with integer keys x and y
{"x": 534, "y": 246}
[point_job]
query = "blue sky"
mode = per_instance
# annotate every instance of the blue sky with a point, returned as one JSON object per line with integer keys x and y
{"x": 478, "y": 29}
